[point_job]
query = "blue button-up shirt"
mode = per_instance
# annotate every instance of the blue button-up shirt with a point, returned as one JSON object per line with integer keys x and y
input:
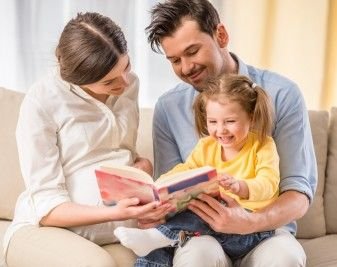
{"x": 174, "y": 134}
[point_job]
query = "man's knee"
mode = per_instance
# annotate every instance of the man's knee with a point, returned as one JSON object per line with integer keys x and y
{"x": 201, "y": 251}
{"x": 280, "y": 250}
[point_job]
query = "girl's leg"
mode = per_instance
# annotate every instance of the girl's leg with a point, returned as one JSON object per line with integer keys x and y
{"x": 237, "y": 246}
{"x": 172, "y": 233}
{"x": 158, "y": 258}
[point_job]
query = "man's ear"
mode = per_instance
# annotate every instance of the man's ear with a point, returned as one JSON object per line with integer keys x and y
{"x": 222, "y": 35}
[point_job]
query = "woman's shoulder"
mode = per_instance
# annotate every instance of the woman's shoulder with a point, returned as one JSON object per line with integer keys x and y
{"x": 45, "y": 92}
{"x": 47, "y": 85}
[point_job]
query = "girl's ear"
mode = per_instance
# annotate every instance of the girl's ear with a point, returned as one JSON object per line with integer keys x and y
{"x": 221, "y": 35}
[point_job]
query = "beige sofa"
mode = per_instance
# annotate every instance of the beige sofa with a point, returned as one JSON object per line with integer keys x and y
{"x": 317, "y": 230}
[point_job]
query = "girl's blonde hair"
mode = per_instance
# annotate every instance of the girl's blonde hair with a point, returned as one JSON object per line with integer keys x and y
{"x": 237, "y": 88}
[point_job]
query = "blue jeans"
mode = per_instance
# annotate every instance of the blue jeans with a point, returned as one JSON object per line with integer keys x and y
{"x": 185, "y": 225}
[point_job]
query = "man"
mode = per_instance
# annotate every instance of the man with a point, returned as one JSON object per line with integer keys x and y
{"x": 195, "y": 42}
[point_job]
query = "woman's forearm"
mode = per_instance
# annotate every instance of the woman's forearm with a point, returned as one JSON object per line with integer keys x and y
{"x": 70, "y": 214}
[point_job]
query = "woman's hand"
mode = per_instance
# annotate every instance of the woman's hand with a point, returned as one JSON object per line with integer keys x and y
{"x": 228, "y": 218}
{"x": 144, "y": 164}
{"x": 154, "y": 217}
{"x": 151, "y": 212}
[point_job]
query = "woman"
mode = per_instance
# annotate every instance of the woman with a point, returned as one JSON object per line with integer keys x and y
{"x": 83, "y": 114}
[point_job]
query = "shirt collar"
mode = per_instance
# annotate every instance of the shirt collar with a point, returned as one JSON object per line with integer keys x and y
{"x": 242, "y": 67}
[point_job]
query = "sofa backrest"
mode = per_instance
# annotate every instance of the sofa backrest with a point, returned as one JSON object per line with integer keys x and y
{"x": 330, "y": 190}
{"x": 313, "y": 222}
{"x": 11, "y": 182}
{"x": 144, "y": 138}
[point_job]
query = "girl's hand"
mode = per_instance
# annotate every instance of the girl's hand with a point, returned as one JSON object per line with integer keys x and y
{"x": 144, "y": 164}
{"x": 229, "y": 183}
{"x": 235, "y": 186}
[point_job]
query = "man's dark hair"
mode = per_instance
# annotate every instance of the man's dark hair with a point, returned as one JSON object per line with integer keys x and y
{"x": 167, "y": 17}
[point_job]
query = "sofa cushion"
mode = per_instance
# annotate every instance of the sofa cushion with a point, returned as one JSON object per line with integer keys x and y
{"x": 3, "y": 227}
{"x": 144, "y": 139}
{"x": 331, "y": 177}
{"x": 313, "y": 223}
{"x": 321, "y": 251}
{"x": 11, "y": 182}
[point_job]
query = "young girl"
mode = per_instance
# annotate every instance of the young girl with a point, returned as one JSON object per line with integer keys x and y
{"x": 234, "y": 117}
{"x": 83, "y": 114}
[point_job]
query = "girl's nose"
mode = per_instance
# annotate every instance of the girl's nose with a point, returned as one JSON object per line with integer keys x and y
{"x": 221, "y": 128}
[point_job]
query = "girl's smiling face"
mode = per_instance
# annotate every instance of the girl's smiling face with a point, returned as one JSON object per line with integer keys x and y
{"x": 228, "y": 123}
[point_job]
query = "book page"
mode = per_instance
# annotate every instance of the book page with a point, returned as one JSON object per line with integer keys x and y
{"x": 128, "y": 172}
{"x": 181, "y": 176}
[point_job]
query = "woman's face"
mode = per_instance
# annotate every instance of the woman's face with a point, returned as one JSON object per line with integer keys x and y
{"x": 114, "y": 83}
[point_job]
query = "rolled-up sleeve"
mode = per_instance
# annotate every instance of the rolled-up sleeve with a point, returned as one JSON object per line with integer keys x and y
{"x": 36, "y": 136}
{"x": 294, "y": 142}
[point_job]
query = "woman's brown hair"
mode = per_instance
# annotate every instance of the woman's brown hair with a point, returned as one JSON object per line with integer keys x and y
{"x": 89, "y": 47}
{"x": 238, "y": 88}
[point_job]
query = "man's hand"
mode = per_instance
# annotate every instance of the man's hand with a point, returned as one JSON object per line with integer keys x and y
{"x": 231, "y": 218}
{"x": 224, "y": 218}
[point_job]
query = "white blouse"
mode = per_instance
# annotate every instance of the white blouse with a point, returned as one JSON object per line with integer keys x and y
{"x": 62, "y": 135}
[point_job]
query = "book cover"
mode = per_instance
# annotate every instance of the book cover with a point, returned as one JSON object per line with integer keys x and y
{"x": 119, "y": 182}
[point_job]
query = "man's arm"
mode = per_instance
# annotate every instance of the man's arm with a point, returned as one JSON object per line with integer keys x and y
{"x": 292, "y": 135}
{"x": 289, "y": 206}
{"x": 165, "y": 149}
{"x": 231, "y": 218}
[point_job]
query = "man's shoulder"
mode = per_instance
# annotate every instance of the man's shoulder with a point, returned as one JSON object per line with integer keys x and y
{"x": 181, "y": 92}
{"x": 270, "y": 79}
{"x": 283, "y": 91}
{"x": 176, "y": 104}
{"x": 274, "y": 83}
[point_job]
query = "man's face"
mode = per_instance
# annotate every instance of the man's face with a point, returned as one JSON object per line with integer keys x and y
{"x": 194, "y": 55}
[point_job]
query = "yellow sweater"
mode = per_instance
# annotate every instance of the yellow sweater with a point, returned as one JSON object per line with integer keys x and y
{"x": 257, "y": 165}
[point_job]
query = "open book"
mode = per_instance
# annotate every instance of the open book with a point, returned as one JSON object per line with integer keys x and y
{"x": 119, "y": 182}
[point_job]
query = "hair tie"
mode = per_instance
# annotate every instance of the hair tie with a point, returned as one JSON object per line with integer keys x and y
{"x": 254, "y": 85}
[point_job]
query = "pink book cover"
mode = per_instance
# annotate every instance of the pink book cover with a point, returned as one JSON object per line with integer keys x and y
{"x": 114, "y": 188}
{"x": 178, "y": 188}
